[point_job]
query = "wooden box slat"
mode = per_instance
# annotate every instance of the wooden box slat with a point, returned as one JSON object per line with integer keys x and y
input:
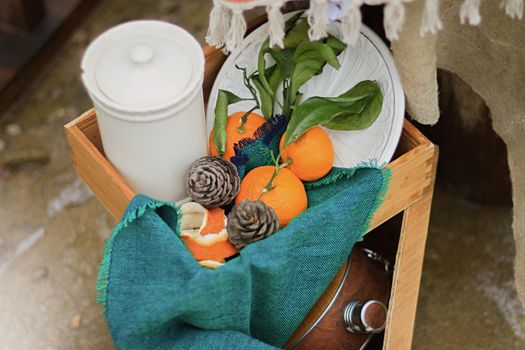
{"x": 411, "y": 172}
{"x": 93, "y": 168}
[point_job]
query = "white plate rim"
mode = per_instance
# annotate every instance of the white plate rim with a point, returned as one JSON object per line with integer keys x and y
{"x": 398, "y": 114}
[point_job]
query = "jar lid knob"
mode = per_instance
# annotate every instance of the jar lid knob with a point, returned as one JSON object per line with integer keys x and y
{"x": 141, "y": 53}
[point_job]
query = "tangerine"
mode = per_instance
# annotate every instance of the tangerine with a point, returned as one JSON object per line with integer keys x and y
{"x": 287, "y": 195}
{"x": 234, "y": 135}
{"x": 311, "y": 155}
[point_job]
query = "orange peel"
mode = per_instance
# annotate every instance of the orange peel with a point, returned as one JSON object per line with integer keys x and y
{"x": 204, "y": 233}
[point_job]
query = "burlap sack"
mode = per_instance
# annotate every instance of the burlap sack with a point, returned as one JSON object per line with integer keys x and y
{"x": 491, "y": 59}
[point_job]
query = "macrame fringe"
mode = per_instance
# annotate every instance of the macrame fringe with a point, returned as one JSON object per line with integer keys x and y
{"x": 237, "y": 30}
{"x": 220, "y": 18}
{"x": 351, "y": 22}
{"x": 227, "y": 27}
{"x": 318, "y": 19}
{"x": 469, "y": 12}
{"x": 513, "y": 8}
{"x": 276, "y": 20}
{"x": 394, "y": 16}
{"x": 374, "y": 2}
{"x": 431, "y": 23}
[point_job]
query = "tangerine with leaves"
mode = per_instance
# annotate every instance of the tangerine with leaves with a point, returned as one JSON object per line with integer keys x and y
{"x": 236, "y": 131}
{"x": 311, "y": 156}
{"x": 283, "y": 192}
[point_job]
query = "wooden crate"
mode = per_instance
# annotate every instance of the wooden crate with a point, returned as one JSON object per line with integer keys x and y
{"x": 410, "y": 192}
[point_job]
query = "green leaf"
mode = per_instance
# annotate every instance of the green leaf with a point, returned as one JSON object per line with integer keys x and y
{"x": 261, "y": 65}
{"x": 297, "y": 35}
{"x": 337, "y": 45}
{"x": 285, "y": 61}
{"x": 298, "y": 99}
{"x": 362, "y": 120}
{"x": 265, "y": 98}
{"x": 290, "y": 22}
{"x": 358, "y": 91}
{"x": 274, "y": 78}
{"x": 329, "y": 56}
{"x": 224, "y": 99}
{"x": 310, "y": 57}
{"x": 297, "y": 63}
{"x": 316, "y": 111}
{"x": 355, "y": 109}
{"x": 232, "y": 98}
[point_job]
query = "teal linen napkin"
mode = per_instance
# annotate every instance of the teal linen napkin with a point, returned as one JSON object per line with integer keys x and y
{"x": 156, "y": 296}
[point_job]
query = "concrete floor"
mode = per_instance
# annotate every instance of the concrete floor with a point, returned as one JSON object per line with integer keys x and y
{"x": 52, "y": 229}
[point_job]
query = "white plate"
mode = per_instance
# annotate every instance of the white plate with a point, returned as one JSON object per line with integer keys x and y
{"x": 368, "y": 59}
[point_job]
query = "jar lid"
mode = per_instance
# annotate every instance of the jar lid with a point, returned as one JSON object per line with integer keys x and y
{"x": 142, "y": 67}
{"x": 143, "y": 71}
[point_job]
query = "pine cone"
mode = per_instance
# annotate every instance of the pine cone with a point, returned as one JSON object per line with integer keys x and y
{"x": 250, "y": 221}
{"x": 213, "y": 182}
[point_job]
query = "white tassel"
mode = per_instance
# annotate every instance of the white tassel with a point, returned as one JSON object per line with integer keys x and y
{"x": 374, "y": 2}
{"x": 394, "y": 16}
{"x": 220, "y": 18}
{"x": 351, "y": 21}
{"x": 276, "y": 19}
{"x": 237, "y": 30}
{"x": 470, "y": 12}
{"x": 430, "y": 22}
{"x": 318, "y": 19}
{"x": 513, "y": 8}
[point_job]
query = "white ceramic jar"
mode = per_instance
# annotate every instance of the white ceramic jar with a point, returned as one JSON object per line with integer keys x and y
{"x": 145, "y": 80}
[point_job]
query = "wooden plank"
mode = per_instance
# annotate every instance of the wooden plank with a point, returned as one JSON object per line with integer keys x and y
{"x": 88, "y": 124}
{"x": 97, "y": 172}
{"x": 412, "y": 175}
{"x": 407, "y": 271}
{"x": 416, "y": 137}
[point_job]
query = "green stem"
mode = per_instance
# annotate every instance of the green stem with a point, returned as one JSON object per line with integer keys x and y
{"x": 286, "y": 98}
{"x": 261, "y": 66}
{"x": 246, "y": 81}
{"x": 270, "y": 186}
{"x": 291, "y": 98}
{"x": 279, "y": 103}
{"x": 241, "y": 129}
